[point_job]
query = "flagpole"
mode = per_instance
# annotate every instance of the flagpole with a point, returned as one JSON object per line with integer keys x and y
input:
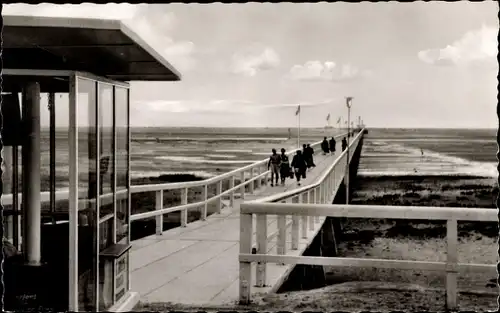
{"x": 298, "y": 134}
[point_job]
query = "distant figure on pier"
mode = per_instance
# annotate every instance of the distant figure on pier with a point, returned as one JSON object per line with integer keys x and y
{"x": 344, "y": 144}
{"x": 333, "y": 143}
{"x": 284, "y": 166}
{"x": 305, "y": 155}
{"x": 324, "y": 146}
{"x": 274, "y": 165}
{"x": 310, "y": 153}
{"x": 299, "y": 165}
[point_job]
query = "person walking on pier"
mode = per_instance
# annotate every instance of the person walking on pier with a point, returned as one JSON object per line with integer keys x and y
{"x": 324, "y": 146}
{"x": 305, "y": 155}
{"x": 284, "y": 166}
{"x": 299, "y": 165}
{"x": 333, "y": 143}
{"x": 310, "y": 154}
{"x": 344, "y": 144}
{"x": 274, "y": 165}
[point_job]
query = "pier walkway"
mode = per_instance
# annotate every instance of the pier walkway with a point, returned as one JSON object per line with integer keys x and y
{"x": 198, "y": 264}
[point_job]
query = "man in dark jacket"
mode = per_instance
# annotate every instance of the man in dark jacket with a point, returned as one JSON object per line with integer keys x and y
{"x": 324, "y": 146}
{"x": 333, "y": 143}
{"x": 299, "y": 165}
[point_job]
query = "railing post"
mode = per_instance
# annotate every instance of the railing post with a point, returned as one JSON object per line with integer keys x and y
{"x": 451, "y": 264}
{"x": 310, "y": 218}
{"x": 251, "y": 184}
{"x": 261, "y": 248}
{"x": 246, "y": 231}
{"x": 257, "y": 183}
{"x": 159, "y": 218}
{"x": 184, "y": 200}
{"x": 295, "y": 227}
{"x": 315, "y": 200}
{"x": 218, "y": 203}
{"x": 231, "y": 195}
{"x": 242, "y": 183}
{"x": 205, "y": 204}
{"x": 281, "y": 247}
{"x": 303, "y": 217}
{"x": 266, "y": 177}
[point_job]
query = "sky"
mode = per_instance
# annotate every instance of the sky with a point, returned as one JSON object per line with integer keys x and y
{"x": 419, "y": 64}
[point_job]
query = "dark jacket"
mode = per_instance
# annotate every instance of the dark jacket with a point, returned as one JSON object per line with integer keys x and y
{"x": 324, "y": 145}
{"x": 332, "y": 144}
{"x": 310, "y": 152}
{"x": 299, "y": 162}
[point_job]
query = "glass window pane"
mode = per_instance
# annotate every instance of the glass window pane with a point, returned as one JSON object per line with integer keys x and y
{"x": 87, "y": 193}
{"x": 106, "y": 178}
{"x": 122, "y": 163}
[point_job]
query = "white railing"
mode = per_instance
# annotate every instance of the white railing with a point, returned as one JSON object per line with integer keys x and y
{"x": 312, "y": 209}
{"x": 257, "y": 176}
{"x": 253, "y": 175}
{"x": 322, "y": 191}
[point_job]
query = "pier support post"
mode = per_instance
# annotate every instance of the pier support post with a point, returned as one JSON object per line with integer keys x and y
{"x": 31, "y": 174}
{"x": 159, "y": 218}
{"x": 184, "y": 213}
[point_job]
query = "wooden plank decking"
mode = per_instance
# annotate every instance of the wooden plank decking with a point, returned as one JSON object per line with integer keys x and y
{"x": 198, "y": 264}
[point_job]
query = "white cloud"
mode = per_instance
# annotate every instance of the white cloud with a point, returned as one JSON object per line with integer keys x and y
{"x": 477, "y": 45}
{"x": 325, "y": 71}
{"x": 154, "y": 25}
{"x": 250, "y": 64}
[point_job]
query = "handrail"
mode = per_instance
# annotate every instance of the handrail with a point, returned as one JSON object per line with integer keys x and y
{"x": 311, "y": 209}
{"x": 6, "y": 199}
{"x": 205, "y": 183}
{"x": 294, "y": 192}
{"x": 208, "y": 181}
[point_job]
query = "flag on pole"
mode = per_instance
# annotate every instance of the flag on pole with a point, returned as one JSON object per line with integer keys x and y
{"x": 338, "y": 121}
{"x": 328, "y": 117}
{"x": 298, "y": 110}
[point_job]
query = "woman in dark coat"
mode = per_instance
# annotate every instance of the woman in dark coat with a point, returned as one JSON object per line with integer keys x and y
{"x": 333, "y": 143}
{"x": 284, "y": 166}
{"x": 344, "y": 144}
{"x": 324, "y": 146}
{"x": 299, "y": 165}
